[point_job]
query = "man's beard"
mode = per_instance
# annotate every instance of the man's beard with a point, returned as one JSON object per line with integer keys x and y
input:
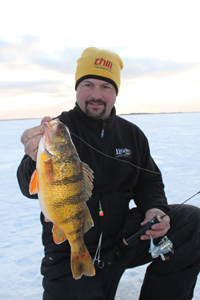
{"x": 95, "y": 115}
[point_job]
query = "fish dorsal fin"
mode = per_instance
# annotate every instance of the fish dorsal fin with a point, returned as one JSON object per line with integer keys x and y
{"x": 87, "y": 180}
{"x": 34, "y": 183}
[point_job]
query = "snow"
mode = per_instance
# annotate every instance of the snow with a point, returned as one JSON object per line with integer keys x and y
{"x": 175, "y": 146}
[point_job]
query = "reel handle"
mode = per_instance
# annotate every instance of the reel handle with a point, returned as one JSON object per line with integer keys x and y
{"x": 127, "y": 241}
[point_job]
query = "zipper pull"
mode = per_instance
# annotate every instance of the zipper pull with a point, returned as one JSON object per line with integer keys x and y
{"x": 101, "y": 213}
{"x": 103, "y": 129}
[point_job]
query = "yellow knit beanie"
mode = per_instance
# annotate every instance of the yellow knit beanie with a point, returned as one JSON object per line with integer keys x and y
{"x": 99, "y": 64}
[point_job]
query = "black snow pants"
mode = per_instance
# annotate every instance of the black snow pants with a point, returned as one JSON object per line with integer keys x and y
{"x": 172, "y": 279}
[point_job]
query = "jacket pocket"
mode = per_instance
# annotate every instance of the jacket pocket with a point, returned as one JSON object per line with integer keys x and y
{"x": 55, "y": 265}
{"x": 110, "y": 257}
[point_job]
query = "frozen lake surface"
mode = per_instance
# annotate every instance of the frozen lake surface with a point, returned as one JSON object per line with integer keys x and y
{"x": 175, "y": 145}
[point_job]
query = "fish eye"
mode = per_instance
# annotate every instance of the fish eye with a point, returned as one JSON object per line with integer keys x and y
{"x": 62, "y": 132}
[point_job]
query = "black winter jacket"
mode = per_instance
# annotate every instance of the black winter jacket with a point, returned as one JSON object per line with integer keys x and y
{"x": 115, "y": 183}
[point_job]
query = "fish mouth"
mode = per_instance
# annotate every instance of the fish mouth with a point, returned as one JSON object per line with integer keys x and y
{"x": 48, "y": 153}
{"x": 44, "y": 149}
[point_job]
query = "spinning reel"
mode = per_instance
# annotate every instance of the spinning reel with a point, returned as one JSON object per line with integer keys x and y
{"x": 162, "y": 248}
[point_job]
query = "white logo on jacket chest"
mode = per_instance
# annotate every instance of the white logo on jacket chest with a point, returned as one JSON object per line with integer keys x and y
{"x": 122, "y": 152}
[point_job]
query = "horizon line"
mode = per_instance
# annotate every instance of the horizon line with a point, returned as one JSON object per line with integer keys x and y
{"x": 128, "y": 114}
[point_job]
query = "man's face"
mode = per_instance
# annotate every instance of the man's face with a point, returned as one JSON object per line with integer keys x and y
{"x": 96, "y": 98}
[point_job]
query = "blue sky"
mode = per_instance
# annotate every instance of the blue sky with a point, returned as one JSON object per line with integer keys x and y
{"x": 40, "y": 42}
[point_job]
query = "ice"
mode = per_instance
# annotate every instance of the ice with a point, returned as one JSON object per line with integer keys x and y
{"x": 175, "y": 146}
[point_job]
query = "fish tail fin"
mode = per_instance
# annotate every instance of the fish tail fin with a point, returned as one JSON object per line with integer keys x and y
{"x": 82, "y": 264}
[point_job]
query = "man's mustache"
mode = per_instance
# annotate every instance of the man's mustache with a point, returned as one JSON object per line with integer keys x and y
{"x": 97, "y": 101}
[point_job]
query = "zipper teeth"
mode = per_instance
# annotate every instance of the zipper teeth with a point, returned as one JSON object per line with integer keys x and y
{"x": 103, "y": 129}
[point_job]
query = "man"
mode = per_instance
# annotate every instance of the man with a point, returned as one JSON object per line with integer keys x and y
{"x": 118, "y": 153}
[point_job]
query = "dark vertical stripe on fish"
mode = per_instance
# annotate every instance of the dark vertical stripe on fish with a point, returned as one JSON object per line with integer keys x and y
{"x": 78, "y": 216}
{"x": 69, "y": 200}
{"x": 69, "y": 180}
{"x": 78, "y": 232}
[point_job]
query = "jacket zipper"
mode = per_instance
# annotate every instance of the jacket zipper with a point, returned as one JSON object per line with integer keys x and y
{"x": 103, "y": 129}
{"x": 102, "y": 167}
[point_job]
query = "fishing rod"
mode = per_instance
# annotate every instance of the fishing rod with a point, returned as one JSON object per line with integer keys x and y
{"x": 147, "y": 226}
{"x": 165, "y": 245}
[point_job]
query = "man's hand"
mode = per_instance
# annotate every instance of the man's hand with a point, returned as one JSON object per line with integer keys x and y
{"x": 159, "y": 229}
{"x": 31, "y": 138}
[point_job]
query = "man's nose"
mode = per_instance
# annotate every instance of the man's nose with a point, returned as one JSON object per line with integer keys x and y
{"x": 96, "y": 93}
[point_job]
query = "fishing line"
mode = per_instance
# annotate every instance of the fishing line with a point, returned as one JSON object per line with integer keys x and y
{"x": 124, "y": 161}
{"x": 143, "y": 170}
{"x": 178, "y": 205}
{"x": 167, "y": 243}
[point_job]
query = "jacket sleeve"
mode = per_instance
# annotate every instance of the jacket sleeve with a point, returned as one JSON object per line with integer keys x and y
{"x": 24, "y": 173}
{"x": 149, "y": 192}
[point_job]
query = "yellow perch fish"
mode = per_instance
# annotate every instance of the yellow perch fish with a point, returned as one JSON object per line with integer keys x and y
{"x": 64, "y": 184}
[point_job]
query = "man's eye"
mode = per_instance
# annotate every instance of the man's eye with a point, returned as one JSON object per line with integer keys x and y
{"x": 106, "y": 87}
{"x": 87, "y": 85}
